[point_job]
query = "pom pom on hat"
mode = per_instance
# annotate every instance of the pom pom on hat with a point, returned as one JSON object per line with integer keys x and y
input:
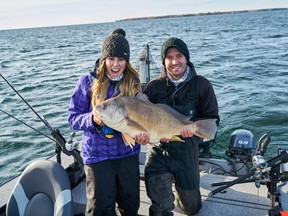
{"x": 116, "y": 45}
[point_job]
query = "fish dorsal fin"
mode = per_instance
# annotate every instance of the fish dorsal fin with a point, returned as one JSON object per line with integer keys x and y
{"x": 175, "y": 113}
{"x": 142, "y": 96}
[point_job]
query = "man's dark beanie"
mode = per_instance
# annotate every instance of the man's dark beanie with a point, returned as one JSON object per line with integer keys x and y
{"x": 116, "y": 45}
{"x": 177, "y": 43}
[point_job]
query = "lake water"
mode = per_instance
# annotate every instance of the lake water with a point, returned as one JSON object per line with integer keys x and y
{"x": 244, "y": 55}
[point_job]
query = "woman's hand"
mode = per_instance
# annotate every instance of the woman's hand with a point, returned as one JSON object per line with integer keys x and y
{"x": 97, "y": 120}
{"x": 142, "y": 138}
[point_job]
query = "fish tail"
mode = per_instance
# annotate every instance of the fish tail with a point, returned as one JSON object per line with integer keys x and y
{"x": 206, "y": 128}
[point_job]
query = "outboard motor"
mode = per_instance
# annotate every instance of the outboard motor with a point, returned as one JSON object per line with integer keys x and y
{"x": 242, "y": 145}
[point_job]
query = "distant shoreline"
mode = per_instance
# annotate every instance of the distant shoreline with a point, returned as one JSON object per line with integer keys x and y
{"x": 199, "y": 14}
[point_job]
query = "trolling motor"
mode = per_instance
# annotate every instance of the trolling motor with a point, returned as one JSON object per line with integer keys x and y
{"x": 262, "y": 172}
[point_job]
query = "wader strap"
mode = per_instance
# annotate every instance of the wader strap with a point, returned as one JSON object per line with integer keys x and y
{"x": 162, "y": 89}
{"x": 191, "y": 96}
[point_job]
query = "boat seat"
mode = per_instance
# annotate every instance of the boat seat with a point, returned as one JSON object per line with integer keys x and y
{"x": 42, "y": 189}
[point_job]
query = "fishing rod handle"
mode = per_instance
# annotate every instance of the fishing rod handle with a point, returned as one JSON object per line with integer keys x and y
{"x": 231, "y": 183}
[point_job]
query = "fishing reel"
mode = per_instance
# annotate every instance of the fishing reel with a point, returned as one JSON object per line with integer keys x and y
{"x": 261, "y": 168}
{"x": 258, "y": 161}
{"x": 273, "y": 173}
{"x": 70, "y": 145}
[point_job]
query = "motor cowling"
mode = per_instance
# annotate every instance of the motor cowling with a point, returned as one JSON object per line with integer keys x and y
{"x": 242, "y": 145}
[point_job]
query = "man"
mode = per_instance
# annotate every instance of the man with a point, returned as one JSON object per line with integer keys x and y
{"x": 190, "y": 94}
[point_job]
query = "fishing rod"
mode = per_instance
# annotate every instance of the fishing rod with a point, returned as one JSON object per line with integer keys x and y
{"x": 45, "y": 122}
{"x": 28, "y": 125}
{"x": 62, "y": 144}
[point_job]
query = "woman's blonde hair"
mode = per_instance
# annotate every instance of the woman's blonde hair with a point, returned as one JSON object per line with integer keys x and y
{"x": 129, "y": 85}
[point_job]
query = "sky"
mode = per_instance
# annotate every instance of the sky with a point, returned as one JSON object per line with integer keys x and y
{"x": 16, "y": 14}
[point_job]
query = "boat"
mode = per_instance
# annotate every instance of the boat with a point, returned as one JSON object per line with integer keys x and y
{"x": 243, "y": 183}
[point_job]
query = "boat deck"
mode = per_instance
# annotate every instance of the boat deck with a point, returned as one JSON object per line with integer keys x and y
{"x": 240, "y": 199}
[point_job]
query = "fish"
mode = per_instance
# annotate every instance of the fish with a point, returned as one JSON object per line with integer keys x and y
{"x": 132, "y": 115}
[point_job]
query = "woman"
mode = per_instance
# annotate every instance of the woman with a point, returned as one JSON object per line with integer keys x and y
{"x": 111, "y": 168}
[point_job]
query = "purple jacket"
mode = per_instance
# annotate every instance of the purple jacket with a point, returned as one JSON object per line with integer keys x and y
{"x": 95, "y": 146}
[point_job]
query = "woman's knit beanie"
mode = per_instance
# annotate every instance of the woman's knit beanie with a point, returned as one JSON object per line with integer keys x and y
{"x": 116, "y": 45}
{"x": 177, "y": 43}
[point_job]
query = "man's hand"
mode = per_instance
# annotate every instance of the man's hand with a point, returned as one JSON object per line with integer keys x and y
{"x": 185, "y": 133}
{"x": 164, "y": 140}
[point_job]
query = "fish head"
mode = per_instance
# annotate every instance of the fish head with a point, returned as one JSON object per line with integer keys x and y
{"x": 110, "y": 112}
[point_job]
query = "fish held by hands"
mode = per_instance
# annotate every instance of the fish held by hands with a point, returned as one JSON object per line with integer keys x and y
{"x": 133, "y": 115}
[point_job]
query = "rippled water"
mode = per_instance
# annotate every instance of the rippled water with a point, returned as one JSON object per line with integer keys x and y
{"x": 244, "y": 55}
